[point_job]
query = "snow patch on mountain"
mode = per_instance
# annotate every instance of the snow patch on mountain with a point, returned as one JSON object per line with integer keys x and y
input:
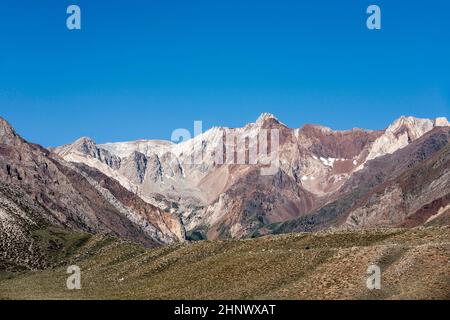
{"x": 329, "y": 162}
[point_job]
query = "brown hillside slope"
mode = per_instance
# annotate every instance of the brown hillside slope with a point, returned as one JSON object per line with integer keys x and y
{"x": 325, "y": 265}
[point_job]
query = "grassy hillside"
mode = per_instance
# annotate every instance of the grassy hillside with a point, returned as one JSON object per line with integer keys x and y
{"x": 415, "y": 264}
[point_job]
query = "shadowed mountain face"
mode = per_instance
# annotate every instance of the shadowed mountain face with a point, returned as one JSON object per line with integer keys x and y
{"x": 323, "y": 178}
{"x": 39, "y": 189}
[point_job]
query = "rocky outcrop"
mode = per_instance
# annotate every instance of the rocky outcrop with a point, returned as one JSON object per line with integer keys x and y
{"x": 401, "y": 133}
{"x": 415, "y": 197}
{"x": 86, "y": 147}
{"x": 407, "y": 188}
{"x": 134, "y": 167}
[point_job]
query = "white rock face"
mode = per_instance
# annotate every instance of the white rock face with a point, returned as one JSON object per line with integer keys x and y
{"x": 441, "y": 122}
{"x": 402, "y": 132}
{"x": 147, "y": 147}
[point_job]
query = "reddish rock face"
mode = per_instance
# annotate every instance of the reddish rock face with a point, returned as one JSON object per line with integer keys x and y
{"x": 348, "y": 144}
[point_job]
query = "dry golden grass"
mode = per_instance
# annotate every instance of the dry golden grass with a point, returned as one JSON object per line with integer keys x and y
{"x": 415, "y": 264}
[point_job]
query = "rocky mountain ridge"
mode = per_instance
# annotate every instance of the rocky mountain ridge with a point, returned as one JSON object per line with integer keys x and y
{"x": 38, "y": 190}
{"x": 217, "y": 198}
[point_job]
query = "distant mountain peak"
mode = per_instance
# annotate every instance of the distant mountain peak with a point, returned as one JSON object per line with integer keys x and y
{"x": 441, "y": 122}
{"x": 266, "y": 116}
{"x": 85, "y": 145}
{"x": 414, "y": 127}
{"x": 402, "y": 132}
{"x": 418, "y": 122}
{"x": 267, "y": 119}
{"x": 84, "y": 140}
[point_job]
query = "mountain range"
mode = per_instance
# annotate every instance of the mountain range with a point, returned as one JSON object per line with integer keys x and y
{"x": 159, "y": 193}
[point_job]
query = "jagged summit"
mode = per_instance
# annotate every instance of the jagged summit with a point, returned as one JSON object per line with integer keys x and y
{"x": 402, "y": 132}
{"x": 4, "y": 125}
{"x": 415, "y": 127}
{"x": 84, "y": 140}
{"x": 411, "y": 122}
{"x": 85, "y": 145}
{"x": 267, "y": 119}
{"x": 7, "y": 134}
{"x": 265, "y": 116}
{"x": 418, "y": 123}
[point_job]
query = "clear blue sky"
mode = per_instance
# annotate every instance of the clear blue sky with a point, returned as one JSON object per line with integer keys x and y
{"x": 140, "y": 69}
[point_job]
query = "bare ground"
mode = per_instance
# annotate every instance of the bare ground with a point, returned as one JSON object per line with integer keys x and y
{"x": 415, "y": 264}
